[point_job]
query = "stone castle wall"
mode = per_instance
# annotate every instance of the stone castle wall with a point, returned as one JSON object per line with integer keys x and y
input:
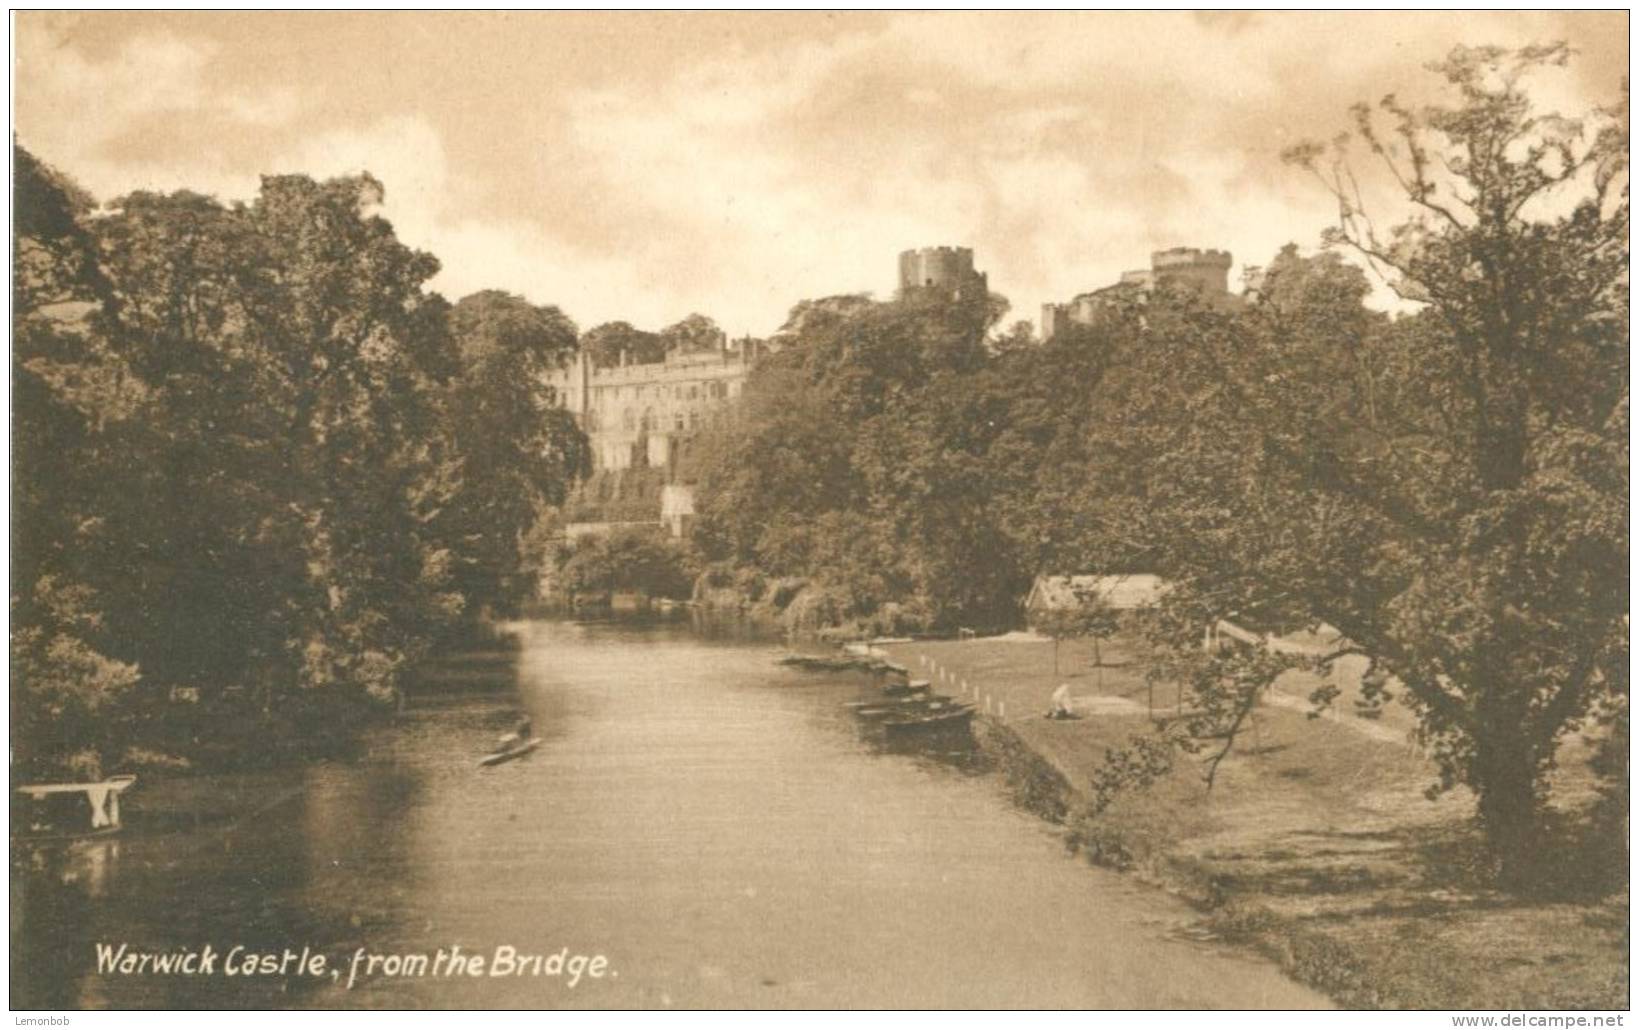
{"x": 1204, "y": 270}
{"x": 638, "y": 415}
{"x": 940, "y": 268}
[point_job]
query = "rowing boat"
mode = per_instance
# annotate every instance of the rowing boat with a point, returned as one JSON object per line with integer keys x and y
{"x": 911, "y": 711}
{"x": 904, "y": 700}
{"x": 957, "y": 716}
{"x": 912, "y": 687}
{"x": 511, "y": 751}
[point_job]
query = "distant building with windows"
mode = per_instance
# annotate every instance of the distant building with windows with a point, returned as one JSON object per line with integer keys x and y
{"x": 635, "y": 415}
{"x": 640, "y": 418}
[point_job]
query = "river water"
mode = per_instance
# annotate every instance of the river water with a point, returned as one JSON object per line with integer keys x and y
{"x": 714, "y": 826}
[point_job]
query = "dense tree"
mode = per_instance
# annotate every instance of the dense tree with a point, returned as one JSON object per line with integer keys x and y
{"x": 258, "y": 474}
{"x": 857, "y": 459}
{"x": 635, "y": 560}
{"x": 517, "y": 449}
{"x": 611, "y": 343}
{"x": 694, "y": 334}
{"x": 1450, "y": 489}
{"x": 68, "y": 695}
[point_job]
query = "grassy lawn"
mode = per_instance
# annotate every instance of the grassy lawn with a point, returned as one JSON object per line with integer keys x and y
{"x": 1317, "y": 845}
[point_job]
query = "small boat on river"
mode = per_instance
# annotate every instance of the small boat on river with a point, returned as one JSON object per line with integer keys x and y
{"x": 957, "y": 716}
{"x": 515, "y": 749}
{"x": 826, "y": 663}
{"x": 901, "y": 701}
{"x": 911, "y": 709}
{"x": 908, "y": 687}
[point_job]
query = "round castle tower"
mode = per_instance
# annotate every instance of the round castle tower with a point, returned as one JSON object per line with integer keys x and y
{"x": 1207, "y": 270}
{"x": 940, "y": 268}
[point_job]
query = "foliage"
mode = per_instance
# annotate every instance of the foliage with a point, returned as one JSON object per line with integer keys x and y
{"x": 643, "y": 561}
{"x": 1092, "y": 615}
{"x": 853, "y": 459}
{"x": 257, "y": 469}
{"x": 694, "y": 334}
{"x": 1447, "y": 489}
{"x": 517, "y": 449}
{"x": 613, "y": 343}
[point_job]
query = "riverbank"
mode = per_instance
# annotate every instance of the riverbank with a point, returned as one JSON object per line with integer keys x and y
{"x": 1316, "y": 846}
{"x": 706, "y": 819}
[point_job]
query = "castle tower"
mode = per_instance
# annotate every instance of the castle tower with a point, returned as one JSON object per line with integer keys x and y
{"x": 940, "y": 268}
{"x": 1205, "y": 270}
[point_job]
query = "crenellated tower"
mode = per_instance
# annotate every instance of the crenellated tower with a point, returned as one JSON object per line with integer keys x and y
{"x": 941, "y": 268}
{"x": 1205, "y": 270}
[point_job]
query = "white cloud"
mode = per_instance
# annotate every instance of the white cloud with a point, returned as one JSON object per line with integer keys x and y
{"x": 1063, "y": 148}
{"x": 82, "y": 113}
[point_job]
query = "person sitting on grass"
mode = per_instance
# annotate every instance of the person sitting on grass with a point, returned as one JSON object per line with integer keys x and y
{"x": 1062, "y": 708}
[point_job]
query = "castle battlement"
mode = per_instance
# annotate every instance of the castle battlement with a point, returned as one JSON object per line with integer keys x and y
{"x": 1190, "y": 257}
{"x": 943, "y": 267}
{"x": 1195, "y": 268}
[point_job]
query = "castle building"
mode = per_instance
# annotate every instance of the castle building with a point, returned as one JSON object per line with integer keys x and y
{"x": 635, "y": 415}
{"x": 639, "y": 418}
{"x": 1206, "y": 271}
{"x": 949, "y": 269}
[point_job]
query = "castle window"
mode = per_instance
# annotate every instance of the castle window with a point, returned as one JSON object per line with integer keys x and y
{"x": 677, "y": 420}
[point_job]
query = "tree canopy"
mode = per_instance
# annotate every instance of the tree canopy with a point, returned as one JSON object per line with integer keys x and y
{"x": 263, "y": 470}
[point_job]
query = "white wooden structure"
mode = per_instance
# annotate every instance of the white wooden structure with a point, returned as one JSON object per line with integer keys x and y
{"x": 102, "y": 805}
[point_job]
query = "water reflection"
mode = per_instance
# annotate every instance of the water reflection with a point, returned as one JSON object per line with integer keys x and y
{"x": 716, "y": 825}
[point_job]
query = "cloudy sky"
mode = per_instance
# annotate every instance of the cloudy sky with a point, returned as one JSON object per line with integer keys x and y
{"x": 643, "y": 166}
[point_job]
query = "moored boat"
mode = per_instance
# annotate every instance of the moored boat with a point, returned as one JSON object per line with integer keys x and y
{"x": 956, "y": 716}
{"x": 912, "y": 709}
{"x": 825, "y": 663}
{"x": 908, "y": 687}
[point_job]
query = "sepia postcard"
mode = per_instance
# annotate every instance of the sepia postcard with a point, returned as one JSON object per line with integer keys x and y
{"x": 816, "y": 510}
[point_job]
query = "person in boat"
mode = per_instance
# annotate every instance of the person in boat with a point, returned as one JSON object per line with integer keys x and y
{"x": 520, "y": 734}
{"x": 1062, "y": 708}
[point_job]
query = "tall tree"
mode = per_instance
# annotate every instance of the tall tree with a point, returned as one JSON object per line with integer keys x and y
{"x": 611, "y": 343}
{"x": 518, "y": 450}
{"x": 275, "y": 530}
{"x": 68, "y": 694}
{"x": 694, "y": 334}
{"x": 1514, "y": 423}
{"x": 857, "y": 459}
{"x": 1449, "y": 490}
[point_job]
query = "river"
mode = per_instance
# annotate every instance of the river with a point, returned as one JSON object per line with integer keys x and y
{"x": 713, "y": 825}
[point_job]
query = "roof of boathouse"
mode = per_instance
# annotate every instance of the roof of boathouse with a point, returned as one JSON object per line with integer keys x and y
{"x": 1123, "y": 592}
